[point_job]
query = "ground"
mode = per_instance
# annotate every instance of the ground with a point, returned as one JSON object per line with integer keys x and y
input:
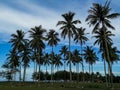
{"x": 56, "y": 86}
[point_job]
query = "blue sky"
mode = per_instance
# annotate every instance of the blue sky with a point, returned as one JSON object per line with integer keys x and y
{"x": 25, "y": 14}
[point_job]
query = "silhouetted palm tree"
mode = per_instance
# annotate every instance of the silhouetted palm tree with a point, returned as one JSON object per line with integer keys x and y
{"x": 18, "y": 42}
{"x": 100, "y": 35}
{"x": 100, "y": 16}
{"x": 81, "y": 39}
{"x": 26, "y": 56}
{"x": 68, "y": 29}
{"x": 63, "y": 51}
{"x": 58, "y": 61}
{"x": 90, "y": 57}
{"x": 52, "y": 38}
{"x": 13, "y": 61}
{"x": 37, "y": 43}
{"x": 46, "y": 61}
{"x": 77, "y": 59}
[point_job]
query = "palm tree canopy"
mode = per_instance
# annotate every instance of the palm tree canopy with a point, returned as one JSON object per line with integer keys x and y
{"x": 90, "y": 55}
{"x": 114, "y": 57}
{"x": 37, "y": 38}
{"x": 80, "y": 36}
{"x": 101, "y": 15}
{"x": 103, "y": 36}
{"x": 68, "y": 25}
{"x": 13, "y": 59}
{"x": 57, "y": 60}
{"x": 63, "y": 51}
{"x": 47, "y": 59}
{"x": 18, "y": 40}
{"x": 26, "y": 55}
{"x": 76, "y": 56}
{"x": 52, "y": 38}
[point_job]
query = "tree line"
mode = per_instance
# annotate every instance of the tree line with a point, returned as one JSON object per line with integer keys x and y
{"x": 23, "y": 50}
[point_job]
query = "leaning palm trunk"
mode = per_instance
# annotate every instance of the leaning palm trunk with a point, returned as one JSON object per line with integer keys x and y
{"x": 109, "y": 65}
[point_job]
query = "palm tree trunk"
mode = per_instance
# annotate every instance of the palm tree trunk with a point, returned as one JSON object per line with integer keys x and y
{"x": 82, "y": 63}
{"x": 14, "y": 73}
{"x": 105, "y": 73}
{"x": 39, "y": 73}
{"x": 107, "y": 56}
{"x": 24, "y": 73}
{"x": 64, "y": 71}
{"x": 52, "y": 65}
{"x": 89, "y": 73}
{"x": 39, "y": 67}
{"x": 70, "y": 58}
{"x": 78, "y": 72}
{"x": 92, "y": 73}
{"x": 20, "y": 73}
{"x": 46, "y": 73}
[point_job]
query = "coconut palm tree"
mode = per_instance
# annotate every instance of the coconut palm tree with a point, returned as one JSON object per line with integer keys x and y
{"x": 68, "y": 29}
{"x": 90, "y": 57}
{"x": 37, "y": 43}
{"x": 18, "y": 42}
{"x": 58, "y": 61}
{"x": 13, "y": 61}
{"x": 114, "y": 57}
{"x": 26, "y": 58}
{"x": 100, "y": 35}
{"x": 100, "y": 16}
{"x": 46, "y": 61}
{"x": 63, "y": 52}
{"x": 81, "y": 39}
{"x": 77, "y": 59}
{"x": 52, "y": 38}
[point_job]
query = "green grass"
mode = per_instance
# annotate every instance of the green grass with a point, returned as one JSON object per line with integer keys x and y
{"x": 55, "y": 86}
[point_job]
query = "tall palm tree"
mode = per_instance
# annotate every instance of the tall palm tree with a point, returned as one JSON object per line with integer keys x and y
{"x": 68, "y": 29}
{"x": 18, "y": 42}
{"x": 46, "y": 61}
{"x": 100, "y": 35}
{"x": 58, "y": 61}
{"x": 100, "y": 16}
{"x": 114, "y": 57}
{"x": 25, "y": 58}
{"x": 81, "y": 38}
{"x": 37, "y": 43}
{"x": 52, "y": 38}
{"x": 63, "y": 51}
{"x": 13, "y": 61}
{"x": 77, "y": 59}
{"x": 90, "y": 57}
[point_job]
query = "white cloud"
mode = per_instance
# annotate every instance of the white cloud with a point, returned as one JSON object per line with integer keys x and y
{"x": 19, "y": 20}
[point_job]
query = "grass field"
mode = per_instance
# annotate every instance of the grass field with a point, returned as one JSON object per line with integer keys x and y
{"x": 55, "y": 86}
